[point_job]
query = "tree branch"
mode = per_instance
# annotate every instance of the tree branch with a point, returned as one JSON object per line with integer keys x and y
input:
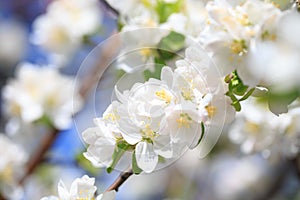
{"x": 38, "y": 157}
{"x": 120, "y": 180}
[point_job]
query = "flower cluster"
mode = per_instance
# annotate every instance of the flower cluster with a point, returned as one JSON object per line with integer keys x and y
{"x": 33, "y": 96}
{"x": 254, "y": 38}
{"x": 257, "y": 130}
{"x": 159, "y": 118}
{"x": 81, "y": 188}
{"x": 62, "y": 28}
{"x": 183, "y": 16}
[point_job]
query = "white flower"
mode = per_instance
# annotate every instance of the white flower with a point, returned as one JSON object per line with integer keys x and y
{"x": 39, "y": 92}
{"x": 230, "y": 30}
{"x": 274, "y": 62}
{"x": 81, "y": 188}
{"x": 61, "y": 28}
{"x": 12, "y": 164}
{"x": 290, "y": 143}
{"x": 190, "y": 21}
{"x": 255, "y": 128}
{"x": 101, "y": 143}
{"x": 13, "y": 158}
{"x": 141, "y": 125}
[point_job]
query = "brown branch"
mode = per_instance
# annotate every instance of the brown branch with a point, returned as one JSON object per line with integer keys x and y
{"x": 38, "y": 157}
{"x": 2, "y": 197}
{"x": 120, "y": 180}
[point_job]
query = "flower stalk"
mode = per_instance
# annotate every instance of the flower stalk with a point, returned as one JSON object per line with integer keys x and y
{"x": 120, "y": 180}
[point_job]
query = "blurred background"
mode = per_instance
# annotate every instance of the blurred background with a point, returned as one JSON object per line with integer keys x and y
{"x": 227, "y": 173}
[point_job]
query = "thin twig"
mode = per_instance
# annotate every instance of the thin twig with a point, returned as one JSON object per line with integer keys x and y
{"x": 2, "y": 197}
{"x": 115, "y": 12}
{"x": 38, "y": 157}
{"x": 120, "y": 180}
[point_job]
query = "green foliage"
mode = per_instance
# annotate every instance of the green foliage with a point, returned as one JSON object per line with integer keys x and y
{"x": 166, "y": 50}
{"x": 164, "y": 10}
{"x": 135, "y": 167}
{"x": 170, "y": 44}
{"x": 278, "y": 101}
{"x": 159, "y": 64}
{"x": 46, "y": 121}
{"x": 121, "y": 147}
{"x": 86, "y": 164}
{"x": 236, "y": 88}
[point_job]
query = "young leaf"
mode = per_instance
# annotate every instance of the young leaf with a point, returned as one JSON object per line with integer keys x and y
{"x": 135, "y": 167}
{"x": 164, "y": 10}
{"x": 159, "y": 64}
{"x": 170, "y": 44}
{"x": 121, "y": 147}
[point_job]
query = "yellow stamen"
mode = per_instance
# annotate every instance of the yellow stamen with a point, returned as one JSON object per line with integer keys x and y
{"x": 252, "y": 127}
{"x": 162, "y": 94}
{"x": 187, "y": 94}
{"x": 148, "y": 132}
{"x": 111, "y": 116}
{"x": 211, "y": 110}
{"x": 184, "y": 121}
{"x": 238, "y": 47}
{"x": 146, "y": 52}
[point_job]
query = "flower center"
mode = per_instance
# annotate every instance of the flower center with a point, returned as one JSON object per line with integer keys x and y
{"x": 252, "y": 127}
{"x": 187, "y": 93}
{"x": 211, "y": 110}
{"x": 184, "y": 121}
{"x": 146, "y": 52}
{"x": 238, "y": 47}
{"x": 147, "y": 132}
{"x": 111, "y": 116}
{"x": 162, "y": 94}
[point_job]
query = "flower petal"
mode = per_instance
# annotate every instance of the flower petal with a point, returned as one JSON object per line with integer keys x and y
{"x": 146, "y": 158}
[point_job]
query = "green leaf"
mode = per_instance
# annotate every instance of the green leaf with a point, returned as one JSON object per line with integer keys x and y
{"x": 247, "y": 95}
{"x": 278, "y": 102}
{"x": 170, "y": 44}
{"x": 164, "y": 10}
{"x": 159, "y": 64}
{"x": 86, "y": 164}
{"x": 121, "y": 147}
{"x": 135, "y": 167}
{"x": 235, "y": 102}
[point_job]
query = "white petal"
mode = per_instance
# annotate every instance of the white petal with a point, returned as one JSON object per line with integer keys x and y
{"x": 167, "y": 75}
{"x": 50, "y": 198}
{"x": 110, "y": 195}
{"x": 62, "y": 191}
{"x": 90, "y": 135}
{"x": 146, "y": 158}
{"x": 163, "y": 146}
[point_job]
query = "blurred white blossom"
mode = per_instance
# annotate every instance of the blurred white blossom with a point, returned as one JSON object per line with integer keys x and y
{"x": 62, "y": 28}
{"x": 81, "y": 188}
{"x": 42, "y": 93}
{"x": 13, "y": 159}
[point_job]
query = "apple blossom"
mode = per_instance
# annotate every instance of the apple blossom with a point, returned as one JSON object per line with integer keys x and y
{"x": 61, "y": 29}
{"x": 81, "y": 188}
{"x": 33, "y": 95}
